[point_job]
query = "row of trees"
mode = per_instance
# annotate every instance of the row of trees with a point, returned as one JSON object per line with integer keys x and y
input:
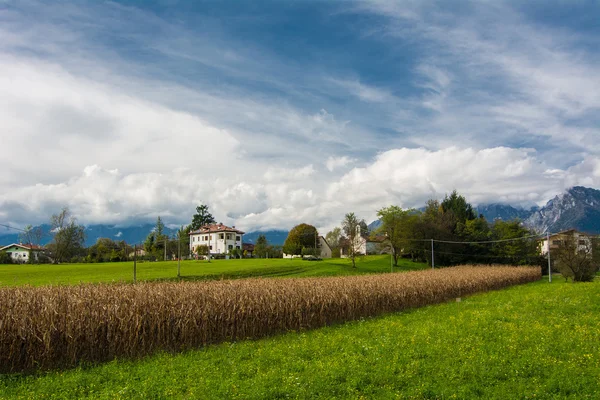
{"x": 408, "y": 233}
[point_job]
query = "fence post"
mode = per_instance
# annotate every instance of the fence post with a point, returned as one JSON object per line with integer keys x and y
{"x": 432, "y": 256}
{"x": 179, "y": 258}
{"x": 134, "y": 261}
{"x": 549, "y": 264}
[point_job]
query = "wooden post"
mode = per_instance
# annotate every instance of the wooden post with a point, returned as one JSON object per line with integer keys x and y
{"x": 432, "y": 256}
{"x": 179, "y": 258}
{"x": 134, "y": 262}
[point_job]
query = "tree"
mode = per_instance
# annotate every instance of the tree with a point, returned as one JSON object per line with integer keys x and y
{"x": 31, "y": 236}
{"x": 202, "y": 250}
{"x": 202, "y": 217}
{"x": 352, "y": 230}
{"x": 300, "y": 236}
{"x": 514, "y": 252}
{"x": 155, "y": 241}
{"x": 574, "y": 258}
{"x": 5, "y": 258}
{"x": 333, "y": 239}
{"x": 398, "y": 226}
{"x": 68, "y": 236}
{"x": 458, "y": 206}
{"x": 261, "y": 247}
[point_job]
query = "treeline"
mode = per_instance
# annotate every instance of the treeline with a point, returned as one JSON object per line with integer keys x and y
{"x": 409, "y": 233}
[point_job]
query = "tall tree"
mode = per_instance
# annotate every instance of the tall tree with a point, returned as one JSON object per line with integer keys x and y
{"x": 202, "y": 217}
{"x": 68, "y": 236}
{"x": 31, "y": 236}
{"x": 398, "y": 226}
{"x": 333, "y": 237}
{"x": 574, "y": 258}
{"x": 301, "y": 236}
{"x": 457, "y": 206}
{"x": 156, "y": 240}
{"x": 352, "y": 230}
{"x": 261, "y": 246}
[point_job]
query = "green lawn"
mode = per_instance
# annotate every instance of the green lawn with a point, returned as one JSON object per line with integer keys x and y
{"x": 539, "y": 340}
{"x": 12, "y": 275}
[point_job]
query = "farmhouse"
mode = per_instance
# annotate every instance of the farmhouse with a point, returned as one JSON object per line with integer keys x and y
{"x": 20, "y": 252}
{"x": 582, "y": 240}
{"x": 248, "y": 249}
{"x": 219, "y": 238}
{"x": 363, "y": 244}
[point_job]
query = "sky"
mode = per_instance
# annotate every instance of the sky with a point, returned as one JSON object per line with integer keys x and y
{"x": 275, "y": 113}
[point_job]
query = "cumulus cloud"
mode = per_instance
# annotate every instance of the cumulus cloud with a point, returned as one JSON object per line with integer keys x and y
{"x": 333, "y": 163}
{"x": 405, "y": 177}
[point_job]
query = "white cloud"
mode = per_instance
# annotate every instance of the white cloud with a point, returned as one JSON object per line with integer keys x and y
{"x": 405, "y": 177}
{"x": 333, "y": 163}
{"x": 364, "y": 92}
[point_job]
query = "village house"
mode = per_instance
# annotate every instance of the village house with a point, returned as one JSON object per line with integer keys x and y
{"x": 219, "y": 238}
{"x": 20, "y": 252}
{"x": 363, "y": 244}
{"x": 582, "y": 240}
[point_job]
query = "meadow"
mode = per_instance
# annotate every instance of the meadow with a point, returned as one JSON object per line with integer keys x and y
{"x": 70, "y": 274}
{"x": 537, "y": 340}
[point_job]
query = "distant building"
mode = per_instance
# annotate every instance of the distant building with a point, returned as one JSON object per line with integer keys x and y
{"x": 248, "y": 249}
{"x": 219, "y": 238}
{"x": 582, "y": 240}
{"x": 363, "y": 244}
{"x": 20, "y": 252}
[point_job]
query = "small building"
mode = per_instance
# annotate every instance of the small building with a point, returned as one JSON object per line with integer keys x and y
{"x": 324, "y": 247}
{"x": 20, "y": 252}
{"x": 219, "y": 238}
{"x": 363, "y": 245}
{"x": 582, "y": 240}
{"x": 248, "y": 249}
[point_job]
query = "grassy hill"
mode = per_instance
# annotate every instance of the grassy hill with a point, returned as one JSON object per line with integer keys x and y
{"x": 538, "y": 340}
{"x": 14, "y": 275}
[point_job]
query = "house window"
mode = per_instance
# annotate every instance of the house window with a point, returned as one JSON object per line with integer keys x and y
{"x": 581, "y": 242}
{"x": 237, "y": 247}
{"x": 210, "y": 246}
{"x": 230, "y": 246}
{"x": 557, "y": 242}
{"x": 238, "y": 238}
{"x": 221, "y": 236}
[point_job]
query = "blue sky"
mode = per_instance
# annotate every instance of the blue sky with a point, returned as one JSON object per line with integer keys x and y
{"x": 276, "y": 113}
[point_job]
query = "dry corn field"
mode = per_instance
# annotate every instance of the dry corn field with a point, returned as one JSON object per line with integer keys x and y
{"x": 62, "y": 326}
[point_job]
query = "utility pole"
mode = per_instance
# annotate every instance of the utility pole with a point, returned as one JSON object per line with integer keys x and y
{"x": 134, "y": 261}
{"x": 432, "y": 256}
{"x": 165, "y": 256}
{"x": 549, "y": 264}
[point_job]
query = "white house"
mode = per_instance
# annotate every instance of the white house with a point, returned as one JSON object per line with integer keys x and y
{"x": 363, "y": 244}
{"x": 219, "y": 238}
{"x": 582, "y": 241}
{"x": 20, "y": 252}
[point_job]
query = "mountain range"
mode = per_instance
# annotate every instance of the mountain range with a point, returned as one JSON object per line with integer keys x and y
{"x": 577, "y": 207}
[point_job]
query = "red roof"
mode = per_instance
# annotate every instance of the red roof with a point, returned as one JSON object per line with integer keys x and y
{"x": 213, "y": 228}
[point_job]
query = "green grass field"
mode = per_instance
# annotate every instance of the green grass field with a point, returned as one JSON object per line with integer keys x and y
{"x": 538, "y": 340}
{"x": 13, "y": 275}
